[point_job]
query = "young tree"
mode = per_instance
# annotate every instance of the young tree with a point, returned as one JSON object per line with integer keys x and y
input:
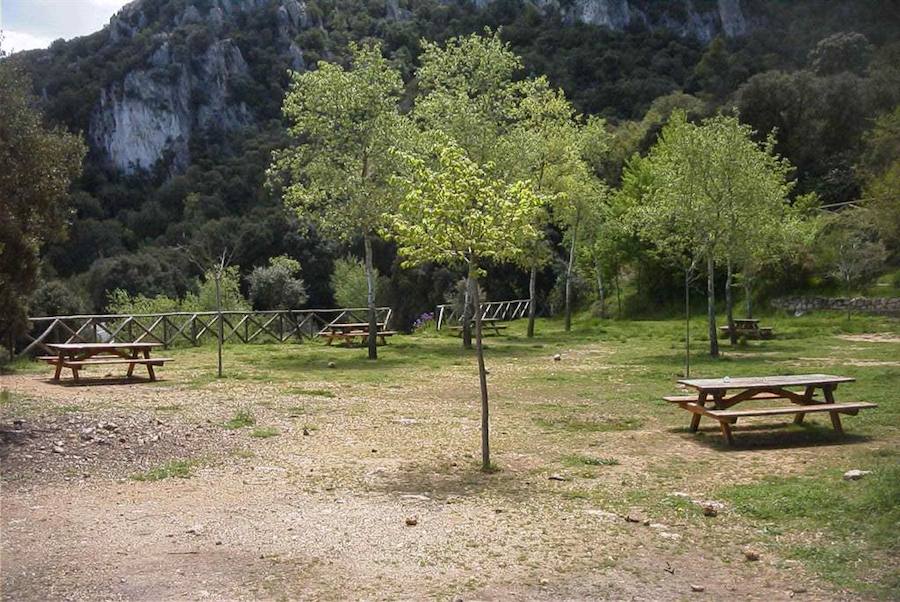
{"x": 852, "y": 250}
{"x": 455, "y": 212}
{"x": 37, "y": 164}
{"x": 713, "y": 185}
{"x": 345, "y": 121}
{"x": 278, "y": 285}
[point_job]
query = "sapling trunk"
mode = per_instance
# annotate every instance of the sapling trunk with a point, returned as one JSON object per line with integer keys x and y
{"x": 748, "y": 292}
{"x": 532, "y": 305}
{"x": 221, "y": 334}
{"x": 482, "y": 375}
{"x": 729, "y": 304}
{"x": 569, "y": 277}
{"x": 711, "y": 305}
{"x": 601, "y": 292}
{"x": 618, "y": 296}
{"x": 467, "y": 315}
{"x": 687, "y": 323}
{"x": 370, "y": 300}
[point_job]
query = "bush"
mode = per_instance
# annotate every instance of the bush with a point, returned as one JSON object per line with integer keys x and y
{"x": 277, "y": 286}
{"x": 348, "y": 281}
{"x": 230, "y": 290}
{"x": 54, "y": 298}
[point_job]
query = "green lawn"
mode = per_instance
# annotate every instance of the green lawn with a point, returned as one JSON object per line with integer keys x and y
{"x": 597, "y": 415}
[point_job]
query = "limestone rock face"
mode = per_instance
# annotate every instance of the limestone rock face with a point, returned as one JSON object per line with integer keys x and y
{"x": 151, "y": 114}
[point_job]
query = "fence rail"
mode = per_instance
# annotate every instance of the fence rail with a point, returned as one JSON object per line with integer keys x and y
{"x": 492, "y": 310}
{"x": 192, "y": 328}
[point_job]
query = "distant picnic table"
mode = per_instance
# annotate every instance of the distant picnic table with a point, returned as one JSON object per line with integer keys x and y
{"x": 349, "y": 331}
{"x": 715, "y": 397}
{"x": 77, "y": 356}
{"x": 749, "y": 328}
{"x": 486, "y": 323}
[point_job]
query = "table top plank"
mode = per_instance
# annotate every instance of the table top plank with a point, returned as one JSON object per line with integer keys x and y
{"x": 762, "y": 382}
{"x": 93, "y": 346}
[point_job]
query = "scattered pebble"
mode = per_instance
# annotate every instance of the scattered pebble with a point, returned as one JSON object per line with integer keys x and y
{"x": 697, "y": 588}
{"x": 412, "y": 521}
{"x": 57, "y": 449}
{"x": 751, "y": 554}
{"x": 557, "y": 357}
{"x": 196, "y": 530}
{"x": 855, "y": 474}
{"x": 557, "y": 477}
{"x": 332, "y": 365}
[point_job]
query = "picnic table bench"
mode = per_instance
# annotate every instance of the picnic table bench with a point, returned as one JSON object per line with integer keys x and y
{"x": 488, "y": 323}
{"x": 749, "y": 328}
{"x": 715, "y": 397}
{"x": 77, "y": 356}
{"x": 349, "y": 331}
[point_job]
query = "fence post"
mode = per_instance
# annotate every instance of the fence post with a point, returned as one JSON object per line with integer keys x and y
{"x": 194, "y": 329}
{"x": 165, "y": 326}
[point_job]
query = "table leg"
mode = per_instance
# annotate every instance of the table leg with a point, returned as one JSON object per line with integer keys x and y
{"x": 59, "y": 365}
{"x": 695, "y": 419}
{"x": 75, "y": 369}
{"x": 726, "y": 431}
{"x": 149, "y": 365}
{"x": 807, "y": 396}
{"x": 828, "y": 390}
{"x": 134, "y": 354}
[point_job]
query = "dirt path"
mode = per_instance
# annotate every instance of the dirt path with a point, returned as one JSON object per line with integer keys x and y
{"x": 321, "y": 510}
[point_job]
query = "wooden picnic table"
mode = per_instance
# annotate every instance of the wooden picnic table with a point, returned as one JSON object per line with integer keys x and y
{"x": 748, "y": 327}
{"x": 348, "y": 331}
{"x": 715, "y": 397}
{"x": 486, "y": 323}
{"x": 77, "y": 356}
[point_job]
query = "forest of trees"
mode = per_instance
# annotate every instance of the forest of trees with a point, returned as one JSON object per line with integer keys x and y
{"x": 825, "y": 85}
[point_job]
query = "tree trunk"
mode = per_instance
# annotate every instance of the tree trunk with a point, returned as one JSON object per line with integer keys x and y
{"x": 482, "y": 375}
{"x": 687, "y": 323}
{"x": 729, "y": 304}
{"x": 370, "y": 300}
{"x": 532, "y": 302}
{"x": 711, "y": 305}
{"x": 748, "y": 292}
{"x": 618, "y": 296}
{"x": 467, "y": 315}
{"x": 569, "y": 278}
{"x": 601, "y": 292}
{"x": 221, "y": 334}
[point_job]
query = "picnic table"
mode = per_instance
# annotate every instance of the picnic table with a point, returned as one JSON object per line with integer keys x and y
{"x": 77, "y": 356}
{"x": 486, "y": 323}
{"x": 348, "y": 331}
{"x": 748, "y": 327}
{"x": 715, "y": 397}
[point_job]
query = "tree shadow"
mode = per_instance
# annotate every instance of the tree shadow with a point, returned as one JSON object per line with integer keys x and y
{"x": 98, "y": 381}
{"x": 445, "y": 481}
{"x": 771, "y": 436}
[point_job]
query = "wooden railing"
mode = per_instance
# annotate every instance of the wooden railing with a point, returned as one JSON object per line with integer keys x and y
{"x": 192, "y": 328}
{"x": 492, "y": 310}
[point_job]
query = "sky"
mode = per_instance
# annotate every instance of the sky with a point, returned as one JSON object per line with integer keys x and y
{"x": 28, "y": 24}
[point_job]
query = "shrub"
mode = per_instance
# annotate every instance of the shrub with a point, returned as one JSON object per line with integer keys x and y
{"x": 348, "y": 281}
{"x": 277, "y": 286}
{"x": 54, "y": 298}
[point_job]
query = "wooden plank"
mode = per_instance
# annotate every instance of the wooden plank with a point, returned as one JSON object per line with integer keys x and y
{"x": 101, "y": 346}
{"x": 686, "y": 398}
{"x": 797, "y": 380}
{"x": 91, "y": 362}
{"x": 844, "y": 408}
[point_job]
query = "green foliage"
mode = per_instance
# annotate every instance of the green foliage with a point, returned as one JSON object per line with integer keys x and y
{"x": 348, "y": 281}
{"x": 241, "y": 419}
{"x": 55, "y": 298}
{"x": 38, "y": 165}
{"x": 181, "y": 469}
{"x": 277, "y": 286}
{"x": 229, "y": 290}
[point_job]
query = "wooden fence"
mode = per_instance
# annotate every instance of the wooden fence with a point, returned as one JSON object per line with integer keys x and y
{"x": 496, "y": 310}
{"x": 192, "y": 328}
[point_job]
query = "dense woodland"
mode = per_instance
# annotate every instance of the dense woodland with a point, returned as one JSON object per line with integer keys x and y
{"x": 825, "y": 81}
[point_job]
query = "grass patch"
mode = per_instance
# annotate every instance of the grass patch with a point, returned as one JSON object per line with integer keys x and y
{"x": 243, "y": 454}
{"x": 579, "y": 460}
{"x": 577, "y": 425}
{"x": 242, "y": 418}
{"x": 169, "y": 408}
{"x": 836, "y": 523}
{"x": 181, "y": 469}
{"x": 264, "y": 432}
{"x": 314, "y": 393}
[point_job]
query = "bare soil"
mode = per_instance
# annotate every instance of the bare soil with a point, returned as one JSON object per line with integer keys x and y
{"x": 372, "y": 493}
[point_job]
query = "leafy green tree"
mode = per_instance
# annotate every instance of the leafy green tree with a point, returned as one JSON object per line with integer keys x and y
{"x": 38, "y": 165}
{"x": 842, "y": 51}
{"x": 709, "y": 190}
{"x": 880, "y": 170}
{"x": 851, "y": 250}
{"x": 278, "y": 285}
{"x": 454, "y": 212}
{"x": 344, "y": 122}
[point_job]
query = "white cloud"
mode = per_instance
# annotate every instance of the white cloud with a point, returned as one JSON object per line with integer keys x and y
{"x": 15, "y": 41}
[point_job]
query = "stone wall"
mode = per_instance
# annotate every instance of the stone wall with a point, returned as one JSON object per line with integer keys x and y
{"x": 874, "y": 305}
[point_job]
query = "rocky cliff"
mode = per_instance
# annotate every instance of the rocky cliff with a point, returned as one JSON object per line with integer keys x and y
{"x": 153, "y": 111}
